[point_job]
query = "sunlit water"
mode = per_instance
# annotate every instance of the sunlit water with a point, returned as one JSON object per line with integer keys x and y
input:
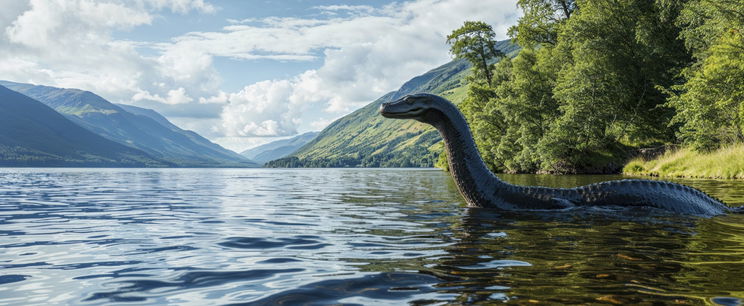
{"x": 354, "y": 236}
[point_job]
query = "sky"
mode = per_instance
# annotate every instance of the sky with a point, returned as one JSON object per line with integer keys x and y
{"x": 239, "y": 72}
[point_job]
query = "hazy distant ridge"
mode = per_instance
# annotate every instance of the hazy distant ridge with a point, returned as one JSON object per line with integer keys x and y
{"x": 278, "y": 149}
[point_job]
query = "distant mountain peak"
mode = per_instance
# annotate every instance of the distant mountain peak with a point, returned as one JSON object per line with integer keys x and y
{"x": 278, "y": 149}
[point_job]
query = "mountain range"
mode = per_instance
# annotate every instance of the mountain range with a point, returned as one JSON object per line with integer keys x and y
{"x": 134, "y": 127}
{"x": 366, "y": 139}
{"x": 33, "y": 134}
{"x": 278, "y": 149}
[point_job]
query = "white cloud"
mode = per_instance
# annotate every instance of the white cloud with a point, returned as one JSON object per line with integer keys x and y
{"x": 355, "y": 8}
{"x": 261, "y": 109}
{"x": 45, "y": 23}
{"x": 333, "y": 10}
{"x": 219, "y": 98}
{"x": 173, "y": 97}
{"x": 178, "y": 96}
{"x": 68, "y": 43}
{"x": 182, "y": 6}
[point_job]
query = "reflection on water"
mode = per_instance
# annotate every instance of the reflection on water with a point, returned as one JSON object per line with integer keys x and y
{"x": 358, "y": 236}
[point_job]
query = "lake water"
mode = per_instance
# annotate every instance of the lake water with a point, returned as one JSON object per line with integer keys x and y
{"x": 354, "y": 236}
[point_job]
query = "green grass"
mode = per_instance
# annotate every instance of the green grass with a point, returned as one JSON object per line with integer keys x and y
{"x": 725, "y": 163}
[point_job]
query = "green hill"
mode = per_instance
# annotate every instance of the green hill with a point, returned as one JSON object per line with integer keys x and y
{"x": 366, "y": 139}
{"x": 139, "y": 128}
{"x": 34, "y": 135}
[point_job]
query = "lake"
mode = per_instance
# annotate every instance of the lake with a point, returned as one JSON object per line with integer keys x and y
{"x": 352, "y": 236}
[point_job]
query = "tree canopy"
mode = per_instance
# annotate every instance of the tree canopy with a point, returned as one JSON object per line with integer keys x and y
{"x": 476, "y": 42}
{"x": 596, "y": 80}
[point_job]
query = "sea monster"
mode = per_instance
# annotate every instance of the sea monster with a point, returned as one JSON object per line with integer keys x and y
{"x": 481, "y": 188}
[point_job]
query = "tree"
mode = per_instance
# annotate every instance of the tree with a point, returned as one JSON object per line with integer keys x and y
{"x": 710, "y": 103}
{"x": 486, "y": 123}
{"x": 527, "y": 104}
{"x": 540, "y": 22}
{"x": 476, "y": 42}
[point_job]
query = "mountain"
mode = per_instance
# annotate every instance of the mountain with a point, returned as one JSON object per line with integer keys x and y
{"x": 152, "y": 114}
{"x": 135, "y": 127}
{"x": 278, "y": 149}
{"x": 366, "y": 139}
{"x": 33, "y": 134}
{"x": 200, "y": 143}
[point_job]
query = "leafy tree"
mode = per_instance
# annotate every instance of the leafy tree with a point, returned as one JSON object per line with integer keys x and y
{"x": 539, "y": 25}
{"x": 476, "y": 42}
{"x": 526, "y": 102}
{"x": 485, "y": 122}
{"x": 710, "y": 103}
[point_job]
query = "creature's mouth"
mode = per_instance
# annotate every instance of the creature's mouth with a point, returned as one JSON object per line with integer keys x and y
{"x": 407, "y": 114}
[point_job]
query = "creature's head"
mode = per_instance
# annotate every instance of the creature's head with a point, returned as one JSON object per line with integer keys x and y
{"x": 422, "y": 107}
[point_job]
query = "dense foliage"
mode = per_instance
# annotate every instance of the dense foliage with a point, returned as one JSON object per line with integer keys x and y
{"x": 598, "y": 79}
{"x": 710, "y": 101}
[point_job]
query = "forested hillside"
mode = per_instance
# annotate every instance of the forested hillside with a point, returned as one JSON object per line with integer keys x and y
{"x": 596, "y": 81}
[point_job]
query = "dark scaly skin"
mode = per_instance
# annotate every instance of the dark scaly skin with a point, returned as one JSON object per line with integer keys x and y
{"x": 481, "y": 188}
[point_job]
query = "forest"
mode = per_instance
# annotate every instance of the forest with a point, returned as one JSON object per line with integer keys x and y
{"x": 596, "y": 82}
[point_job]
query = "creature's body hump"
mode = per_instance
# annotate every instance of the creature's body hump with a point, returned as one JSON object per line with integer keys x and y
{"x": 659, "y": 194}
{"x": 534, "y": 197}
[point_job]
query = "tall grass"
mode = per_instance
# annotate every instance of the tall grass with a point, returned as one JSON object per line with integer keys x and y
{"x": 725, "y": 163}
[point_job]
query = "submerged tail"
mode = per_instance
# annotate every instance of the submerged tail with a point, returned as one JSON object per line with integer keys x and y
{"x": 738, "y": 210}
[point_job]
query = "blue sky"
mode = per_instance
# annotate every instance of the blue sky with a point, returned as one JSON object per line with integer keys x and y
{"x": 172, "y": 24}
{"x": 241, "y": 73}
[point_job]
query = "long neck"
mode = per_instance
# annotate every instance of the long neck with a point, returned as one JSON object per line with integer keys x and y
{"x": 476, "y": 183}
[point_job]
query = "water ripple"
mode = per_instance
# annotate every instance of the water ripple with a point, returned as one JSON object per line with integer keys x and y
{"x": 382, "y": 286}
{"x": 189, "y": 280}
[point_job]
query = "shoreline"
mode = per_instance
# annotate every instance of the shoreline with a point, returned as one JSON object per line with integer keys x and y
{"x": 724, "y": 163}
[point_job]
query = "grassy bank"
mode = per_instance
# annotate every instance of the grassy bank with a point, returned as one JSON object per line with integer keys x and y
{"x": 725, "y": 163}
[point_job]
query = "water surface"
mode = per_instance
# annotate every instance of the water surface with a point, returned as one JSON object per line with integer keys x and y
{"x": 353, "y": 236}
